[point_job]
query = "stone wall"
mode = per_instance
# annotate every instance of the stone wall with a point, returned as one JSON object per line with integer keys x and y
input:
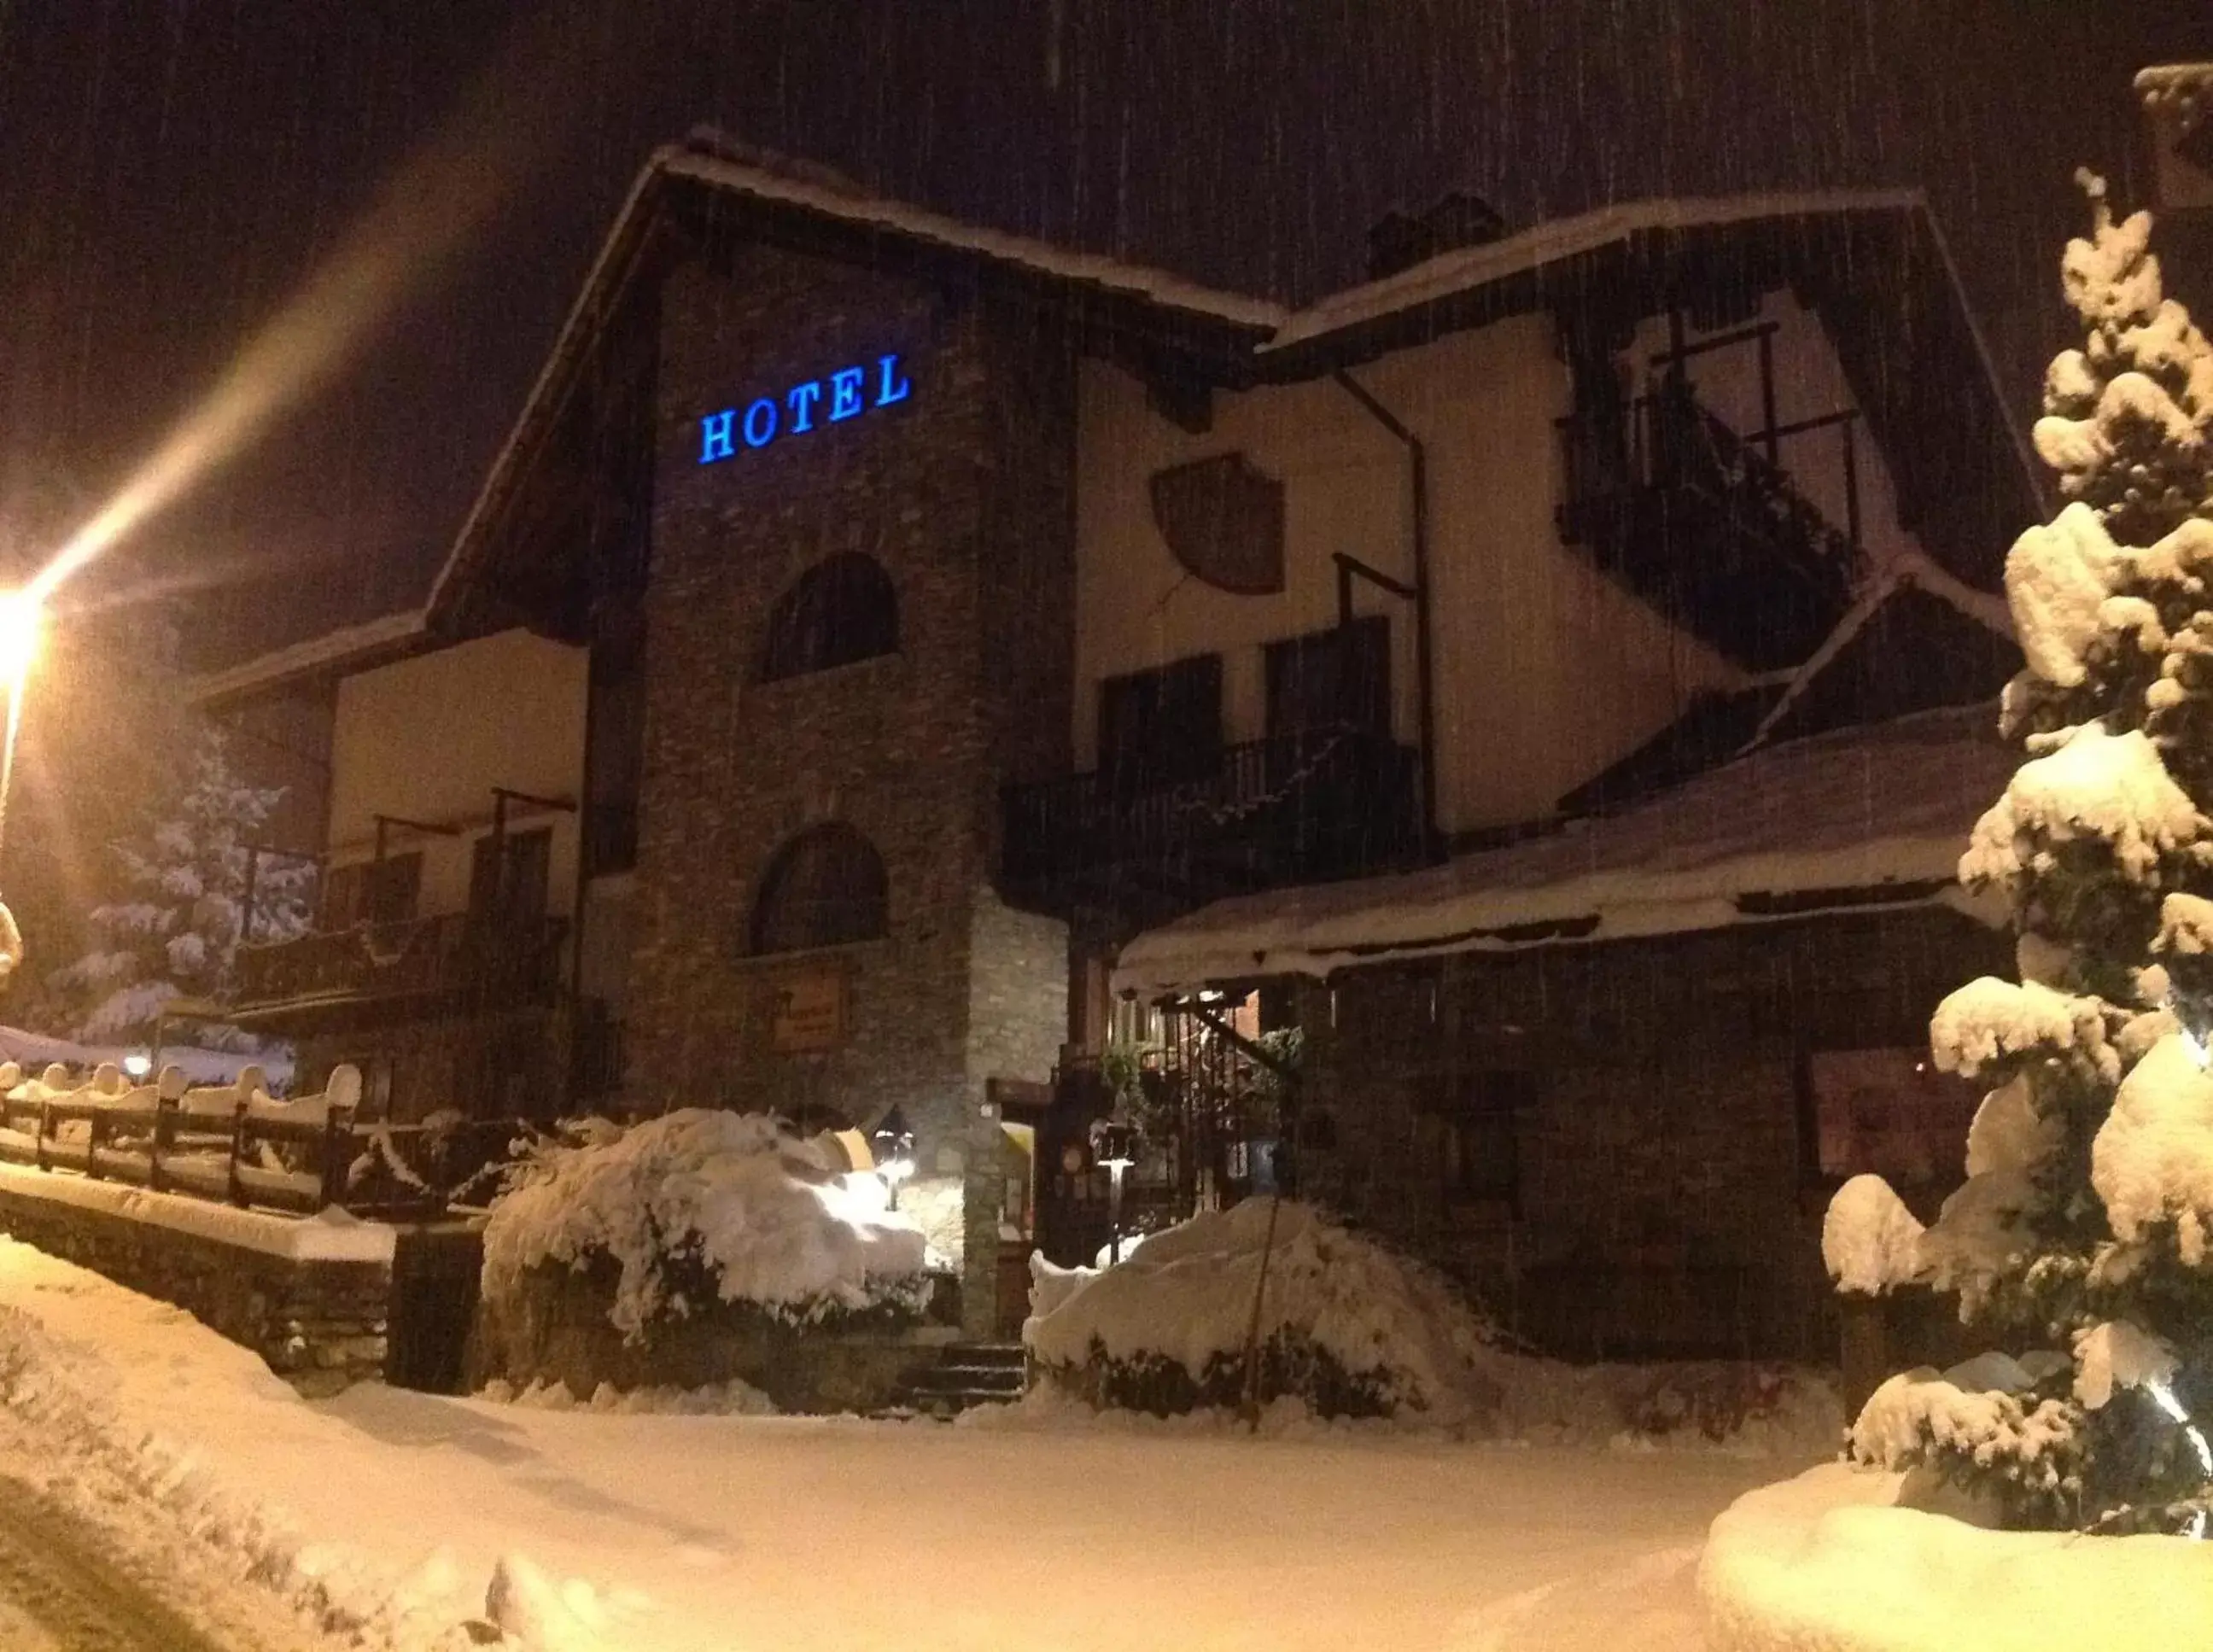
{"x": 319, "y": 1324}
{"x": 554, "y": 1329}
{"x": 963, "y": 494}
{"x": 1665, "y": 1199}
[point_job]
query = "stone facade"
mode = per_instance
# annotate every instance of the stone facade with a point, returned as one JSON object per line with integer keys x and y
{"x": 963, "y": 493}
{"x": 319, "y": 1325}
{"x": 1667, "y": 1198}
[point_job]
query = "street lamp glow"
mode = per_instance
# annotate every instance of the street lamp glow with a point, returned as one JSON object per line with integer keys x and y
{"x": 22, "y": 625}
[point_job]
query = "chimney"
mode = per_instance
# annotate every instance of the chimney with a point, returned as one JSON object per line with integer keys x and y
{"x": 1400, "y": 241}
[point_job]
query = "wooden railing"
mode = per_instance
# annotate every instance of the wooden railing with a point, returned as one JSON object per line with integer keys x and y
{"x": 1305, "y": 806}
{"x": 237, "y": 1143}
{"x": 486, "y": 963}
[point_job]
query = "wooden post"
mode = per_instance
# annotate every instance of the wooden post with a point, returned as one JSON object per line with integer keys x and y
{"x": 1772, "y": 440}
{"x": 237, "y": 1147}
{"x": 1252, "y": 1403}
{"x": 169, "y": 1086}
{"x": 1851, "y": 487}
{"x": 337, "y": 1136}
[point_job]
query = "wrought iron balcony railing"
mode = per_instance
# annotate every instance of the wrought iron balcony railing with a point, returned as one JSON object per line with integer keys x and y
{"x": 1299, "y": 807}
{"x": 1704, "y": 526}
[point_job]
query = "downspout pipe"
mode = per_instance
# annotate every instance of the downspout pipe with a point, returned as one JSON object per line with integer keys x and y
{"x": 1417, "y": 468}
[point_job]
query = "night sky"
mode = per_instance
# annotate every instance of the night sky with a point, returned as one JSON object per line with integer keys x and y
{"x": 170, "y": 170}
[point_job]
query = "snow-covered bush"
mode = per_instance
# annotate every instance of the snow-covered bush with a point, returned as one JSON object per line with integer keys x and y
{"x": 1346, "y": 1325}
{"x": 2080, "y": 1234}
{"x": 700, "y": 1205}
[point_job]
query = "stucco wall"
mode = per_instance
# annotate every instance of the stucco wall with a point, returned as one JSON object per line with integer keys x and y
{"x": 427, "y": 739}
{"x": 1545, "y": 671}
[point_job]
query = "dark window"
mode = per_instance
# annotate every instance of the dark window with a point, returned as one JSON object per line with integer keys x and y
{"x": 1160, "y": 726}
{"x": 1890, "y": 1112}
{"x": 841, "y": 609}
{"x": 1333, "y": 679}
{"x": 823, "y": 888}
{"x": 508, "y": 875}
{"x": 1479, "y": 1147}
{"x": 372, "y": 892}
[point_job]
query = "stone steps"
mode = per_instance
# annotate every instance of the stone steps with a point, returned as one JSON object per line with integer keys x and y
{"x": 965, "y": 1375}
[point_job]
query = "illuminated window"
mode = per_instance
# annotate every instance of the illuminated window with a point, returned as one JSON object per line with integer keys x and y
{"x": 825, "y": 888}
{"x": 841, "y": 610}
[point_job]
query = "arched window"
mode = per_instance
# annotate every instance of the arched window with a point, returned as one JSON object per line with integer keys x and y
{"x": 841, "y": 609}
{"x": 825, "y": 887}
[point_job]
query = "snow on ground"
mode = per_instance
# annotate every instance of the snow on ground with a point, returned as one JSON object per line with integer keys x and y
{"x": 397, "y": 1513}
{"x": 1828, "y": 1563}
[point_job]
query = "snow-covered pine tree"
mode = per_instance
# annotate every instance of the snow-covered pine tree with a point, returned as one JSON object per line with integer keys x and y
{"x": 2080, "y": 1240}
{"x": 181, "y": 879}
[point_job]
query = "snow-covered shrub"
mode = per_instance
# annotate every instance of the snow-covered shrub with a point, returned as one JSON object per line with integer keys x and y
{"x": 2079, "y": 1233}
{"x": 699, "y": 1206}
{"x": 1346, "y": 1325}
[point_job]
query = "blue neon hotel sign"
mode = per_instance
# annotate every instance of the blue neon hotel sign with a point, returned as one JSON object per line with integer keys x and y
{"x": 846, "y": 394}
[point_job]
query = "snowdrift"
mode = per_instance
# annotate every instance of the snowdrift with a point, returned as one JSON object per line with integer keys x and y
{"x": 1345, "y": 1325}
{"x": 1349, "y": 1329}
{"x": 1830, "y": 1563}
{"x": 696, "y": 1201}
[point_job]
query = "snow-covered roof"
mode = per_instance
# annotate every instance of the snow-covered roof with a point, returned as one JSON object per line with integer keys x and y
{"x": 1860, "y": 810}
{"x": 1155, "y": 287}
{"x": 32, "y": 1051}
{"x": 347, "y": 648}
{"x": 1465, "y": 268}
{"x": 1909, "y": 569}
{"x": 1265, "y": 329}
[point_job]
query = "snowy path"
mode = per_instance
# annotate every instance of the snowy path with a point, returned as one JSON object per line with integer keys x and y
{"x": 58, "y": 1593}
{"x": 739, "y": 1534}
{"x": 1020, "y": 1540}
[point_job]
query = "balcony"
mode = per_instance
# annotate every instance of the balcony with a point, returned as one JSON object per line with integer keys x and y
{"x": 1302, "y": 807}
{"x": 1707, "y": 528}
{"x": 453, "y": 963}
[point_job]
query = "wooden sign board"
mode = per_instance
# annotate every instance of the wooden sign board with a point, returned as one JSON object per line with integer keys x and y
{"x": 810, "y": 1015}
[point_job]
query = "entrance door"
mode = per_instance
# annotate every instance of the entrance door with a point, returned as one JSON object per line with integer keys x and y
{"x": 1022, "y": 1108}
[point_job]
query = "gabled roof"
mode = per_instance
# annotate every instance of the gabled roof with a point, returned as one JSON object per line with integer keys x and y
{"x": 1236, "y": 340}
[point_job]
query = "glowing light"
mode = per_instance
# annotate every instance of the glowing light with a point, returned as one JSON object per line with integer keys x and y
{"x": 2163, "y": 1396}
{"x": 23, "y": 624}
{"x": 137, "y": 1065}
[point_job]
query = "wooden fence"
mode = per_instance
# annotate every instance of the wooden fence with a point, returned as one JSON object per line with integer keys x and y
{"x": 230, "y": 1141}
